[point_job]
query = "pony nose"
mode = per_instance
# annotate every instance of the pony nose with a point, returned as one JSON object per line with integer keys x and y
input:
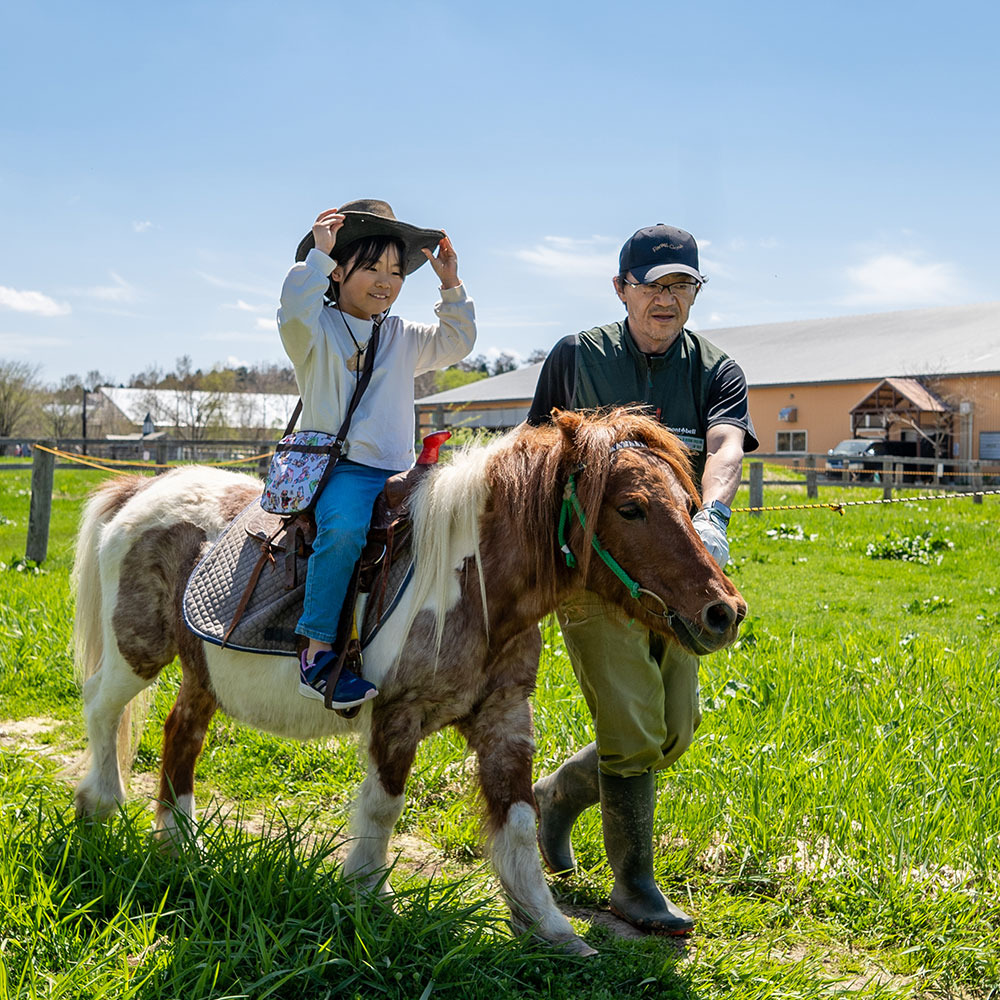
{"x": 718, "y": 617}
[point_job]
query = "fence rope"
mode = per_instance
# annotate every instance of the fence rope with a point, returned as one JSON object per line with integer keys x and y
{"x": 837, "y": 507}
{"x": 73, "y": 457}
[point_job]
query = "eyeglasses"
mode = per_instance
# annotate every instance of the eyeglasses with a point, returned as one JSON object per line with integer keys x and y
{"x": 679, "y": 289}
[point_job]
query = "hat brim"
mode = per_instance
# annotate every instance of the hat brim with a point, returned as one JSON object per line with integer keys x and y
{"x": 654, "y": 271}
{"x": 358, "y": 225}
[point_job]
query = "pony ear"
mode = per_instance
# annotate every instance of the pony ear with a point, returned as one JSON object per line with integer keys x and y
{"x": 568, "y": 423}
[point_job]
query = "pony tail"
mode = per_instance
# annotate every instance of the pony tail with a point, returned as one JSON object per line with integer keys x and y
{"x": 85, "y": 585}
{"x": 88, "y": 621}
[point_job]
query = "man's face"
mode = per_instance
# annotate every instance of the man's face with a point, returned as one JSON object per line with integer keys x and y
{"x": 656, "y": 316}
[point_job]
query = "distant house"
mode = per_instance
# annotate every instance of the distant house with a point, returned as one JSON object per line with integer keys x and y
{"x": 189, "y": 414}
{"x": 922, "y": 375}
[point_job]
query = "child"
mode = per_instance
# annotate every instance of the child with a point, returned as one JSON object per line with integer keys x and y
{"x": 350, "y": 271}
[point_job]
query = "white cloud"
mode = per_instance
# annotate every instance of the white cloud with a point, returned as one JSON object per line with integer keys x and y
{"x": 897, "y": 279}
{"x": 120, "y": 291}
{"x": 245, "y": 306}
{"x": 141, "y": 227}
{"x": 234, "y": 286}
{"x": 32, "y": 302}
{"x": 267, "y": 323}
{"x": 566, "y": 256}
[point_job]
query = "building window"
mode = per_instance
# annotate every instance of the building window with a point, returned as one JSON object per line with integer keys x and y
{"x": 791, "y": 441}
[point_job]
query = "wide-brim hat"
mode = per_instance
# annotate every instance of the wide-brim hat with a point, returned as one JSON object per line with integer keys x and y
{"x": 368, "y": 217}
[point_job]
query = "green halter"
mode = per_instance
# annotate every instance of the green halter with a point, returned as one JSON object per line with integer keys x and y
{"x": 570, "y": 506}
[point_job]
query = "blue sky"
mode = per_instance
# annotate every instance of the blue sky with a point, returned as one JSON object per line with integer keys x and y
{"x": 159, "y": 163}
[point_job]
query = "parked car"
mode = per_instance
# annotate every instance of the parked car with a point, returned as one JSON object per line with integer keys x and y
{"x": 856, "y": 454}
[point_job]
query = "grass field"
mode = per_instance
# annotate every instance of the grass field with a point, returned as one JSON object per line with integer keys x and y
{"x": 835, "y": 827}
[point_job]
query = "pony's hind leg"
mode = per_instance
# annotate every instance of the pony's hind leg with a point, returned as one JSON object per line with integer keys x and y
{"x": 106, "y": 697}
{"x": 183, "y": 738}
{"x": 500, "y": 732}
{"x": 395, "y": 734}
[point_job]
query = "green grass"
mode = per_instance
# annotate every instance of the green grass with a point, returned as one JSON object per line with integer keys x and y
{"x": 835, "y": 827}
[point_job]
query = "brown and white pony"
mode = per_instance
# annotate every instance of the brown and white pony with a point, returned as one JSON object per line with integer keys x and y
{"x": 485, "y": 529}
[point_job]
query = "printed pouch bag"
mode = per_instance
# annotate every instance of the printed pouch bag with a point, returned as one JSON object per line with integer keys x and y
{"x": 300, "y": 466}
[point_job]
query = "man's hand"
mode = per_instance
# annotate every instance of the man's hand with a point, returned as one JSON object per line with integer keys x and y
{"x": 325, "y": 228}
{"x": 445, "y": 264}
{"x": 712, "y": 531}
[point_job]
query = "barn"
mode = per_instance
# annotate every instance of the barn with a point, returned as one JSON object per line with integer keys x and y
{"x": 926, "y": 376}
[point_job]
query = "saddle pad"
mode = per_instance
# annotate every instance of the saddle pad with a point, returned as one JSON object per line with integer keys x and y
{"x": 218, "y": 583}
{"x": 267, "y": 625}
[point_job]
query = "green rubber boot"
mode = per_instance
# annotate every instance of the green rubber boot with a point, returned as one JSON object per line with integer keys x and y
{"x": 560, "y": 798}
{"x": 627, "y": 806}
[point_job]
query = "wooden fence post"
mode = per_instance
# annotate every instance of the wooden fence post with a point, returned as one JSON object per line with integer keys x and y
{"x": 812, "y": 490}
{"x": 43, "y": 465}
{"x": 977, "y": 481}
{"x": 756, "y": 486}
{"x": 161, "y": 457}
{"x": 886, "y": 478}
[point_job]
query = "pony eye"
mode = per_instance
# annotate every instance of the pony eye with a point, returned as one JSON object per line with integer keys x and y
{"x": 631, "y": 512}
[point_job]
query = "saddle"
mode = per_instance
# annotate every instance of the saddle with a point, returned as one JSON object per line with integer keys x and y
{"x": 247, "y": 591}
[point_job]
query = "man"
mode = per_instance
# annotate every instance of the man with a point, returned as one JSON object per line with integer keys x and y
{"x": 642, "y": 690}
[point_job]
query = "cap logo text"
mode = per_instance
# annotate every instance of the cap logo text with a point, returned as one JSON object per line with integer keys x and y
{"x": 667, "y": 246}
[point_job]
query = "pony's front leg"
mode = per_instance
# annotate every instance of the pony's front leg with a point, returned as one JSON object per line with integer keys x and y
{"x": 395, "y": 734}
{"x": 501, "y": 734}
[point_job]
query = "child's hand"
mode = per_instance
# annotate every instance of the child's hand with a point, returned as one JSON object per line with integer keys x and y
{"x": 325, "y": 228}
{"x": 445, "y": 264}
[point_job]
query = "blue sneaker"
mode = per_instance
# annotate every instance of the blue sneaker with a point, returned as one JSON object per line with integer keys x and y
{"x": 350, "y": 691}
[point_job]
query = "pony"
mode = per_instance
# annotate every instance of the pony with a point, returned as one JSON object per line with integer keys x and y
{"x": 502, "y": 534}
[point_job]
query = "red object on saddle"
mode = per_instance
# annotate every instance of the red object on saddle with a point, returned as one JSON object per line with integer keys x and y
{"x": 432, "y": 445}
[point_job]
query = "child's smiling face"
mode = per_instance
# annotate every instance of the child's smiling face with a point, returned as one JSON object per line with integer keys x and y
{"x": 371, "y": 289}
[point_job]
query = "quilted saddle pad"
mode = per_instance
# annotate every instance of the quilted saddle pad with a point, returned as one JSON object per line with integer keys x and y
{"x": 276, "y": 552}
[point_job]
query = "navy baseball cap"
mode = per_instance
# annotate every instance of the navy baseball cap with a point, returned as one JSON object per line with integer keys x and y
{"x": 652, "y": 252}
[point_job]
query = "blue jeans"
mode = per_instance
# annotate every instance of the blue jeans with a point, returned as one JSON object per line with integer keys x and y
{"x": 343, "y": 512}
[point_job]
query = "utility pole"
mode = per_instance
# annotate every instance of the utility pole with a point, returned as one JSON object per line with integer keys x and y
{"x": 83, "y": 420}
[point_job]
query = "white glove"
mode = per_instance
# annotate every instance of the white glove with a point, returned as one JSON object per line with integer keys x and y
{"x": 712, "y": 531}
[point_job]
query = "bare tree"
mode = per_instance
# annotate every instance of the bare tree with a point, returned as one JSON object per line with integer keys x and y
{"x": 19, "y": 392}
{"x": 63, "y": 408}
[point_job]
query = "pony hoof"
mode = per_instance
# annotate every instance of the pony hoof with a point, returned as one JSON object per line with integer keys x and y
{"x": 576, "y": 947}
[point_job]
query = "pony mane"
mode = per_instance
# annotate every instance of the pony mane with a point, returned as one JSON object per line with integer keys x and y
{"x": 447, "y": 508}
{"x": 520, "y": 477}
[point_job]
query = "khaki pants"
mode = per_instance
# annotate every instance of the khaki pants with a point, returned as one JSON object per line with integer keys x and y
{"x": 642, "y": 690}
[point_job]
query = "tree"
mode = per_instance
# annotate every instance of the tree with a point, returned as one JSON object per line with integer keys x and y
{"x": 538, "y": 354}
{"x": 62, "y": 409}
{"x": 452, "y": 378}
{"x": 503, "y": 363}
{"x": 19, "y": 391}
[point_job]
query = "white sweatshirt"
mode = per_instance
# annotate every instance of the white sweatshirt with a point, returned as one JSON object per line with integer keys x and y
{"x": 320, "y": 347}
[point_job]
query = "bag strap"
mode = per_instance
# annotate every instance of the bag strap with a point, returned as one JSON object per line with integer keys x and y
{"x": 366, "y": 377}
{"x": 359, "y": 389}
{"x": 293, "y": 418}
